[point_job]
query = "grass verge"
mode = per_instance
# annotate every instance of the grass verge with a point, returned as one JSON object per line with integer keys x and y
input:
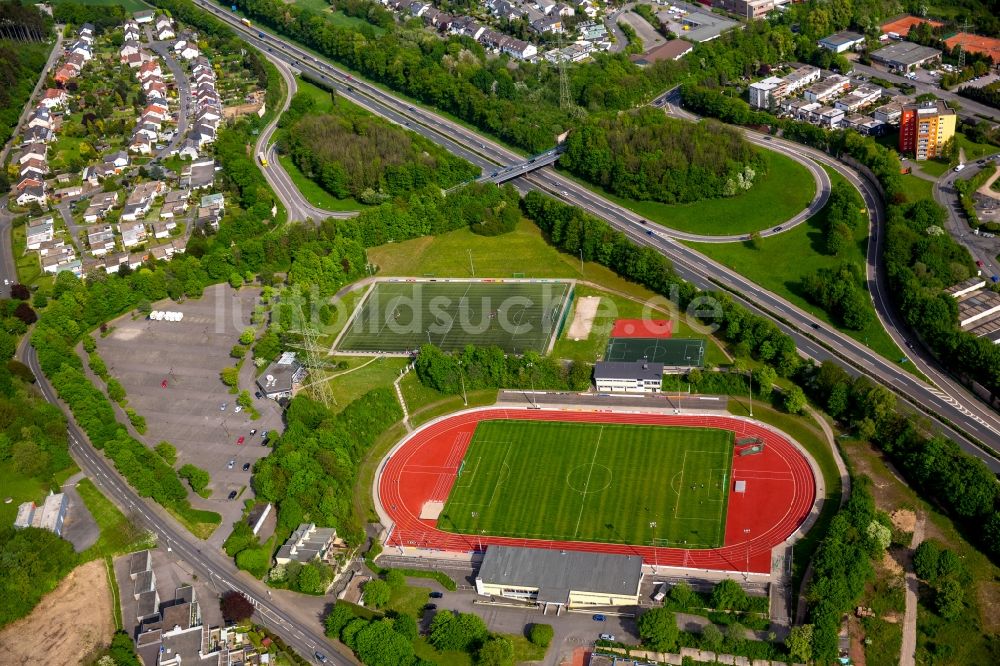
{"x": 118, "y": 533}
{"x": 768, "y": 266}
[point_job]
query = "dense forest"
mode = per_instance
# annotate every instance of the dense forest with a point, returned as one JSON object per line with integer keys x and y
{"x": 102, "y": 16}
{"x": 20, "y": 65}
{"x": 647, "y": 155}
{"x": 352, "y": 153}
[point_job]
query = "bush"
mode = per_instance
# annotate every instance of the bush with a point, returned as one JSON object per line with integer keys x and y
{"x": 196, "y": 477}
{"x": 541, "y": 634}
{"x": 167, "y": 451}
{"x": 658, "y": 630}
{"x": 235, "y": 607}
{"x": 376, "y": 593}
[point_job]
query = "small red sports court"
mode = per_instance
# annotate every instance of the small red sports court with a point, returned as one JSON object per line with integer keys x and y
{"x": 778, "y": 490}
{"x": 642, "y": 328}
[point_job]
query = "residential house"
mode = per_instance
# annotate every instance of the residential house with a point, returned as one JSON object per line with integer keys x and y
{"x": 140, "y": 144}
{"x": 306, "y": 544}
{"x": 69, "y": 191}
{"x": 54, "y": 98}
{"x": 133, "y": 60}
{"x": 162, "y": 228}
{"x": 31, "y": 194}
{"x": 551, "y": 24}
{"x": 144, "y": 16}
{"x": 34, "y": 168}
{"x": 117, "y": 161}
{"x": 49, "y": 516}
{"x": 38, "y": 232}
{"x": 187, "y": 50}
{"x": 164, "y": 28}
{"x": 518, "y": 48}
{"x": 99, "y": 206}
{"x": 827, "y": 88}
{"x": 133, "y": 233}
{"x": 128, "y": 48}
{"x": 189, "y": 150}
{"x": 101, "y": 240}
{"x": 33, "y": 151}
{"x": 38, "y": 134}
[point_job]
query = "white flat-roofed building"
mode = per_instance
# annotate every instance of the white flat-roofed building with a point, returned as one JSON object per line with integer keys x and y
{"x": 628, "y": 377}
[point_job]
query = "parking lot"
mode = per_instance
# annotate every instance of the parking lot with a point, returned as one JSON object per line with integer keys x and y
{"x": 170, "y": 371}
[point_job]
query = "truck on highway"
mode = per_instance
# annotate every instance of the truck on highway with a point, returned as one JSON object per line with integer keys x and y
{"x": 263, "y": 160}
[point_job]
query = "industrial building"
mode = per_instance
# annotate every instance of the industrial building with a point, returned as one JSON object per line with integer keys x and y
{"x": 925, "y": 128}
{"x": 905, "y": 56}
{"x": 839, "y": 42}
{"x": 560, "y": 579}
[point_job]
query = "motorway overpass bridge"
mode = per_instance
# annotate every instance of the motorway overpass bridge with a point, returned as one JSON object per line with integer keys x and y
{"x": 503, "y": 174}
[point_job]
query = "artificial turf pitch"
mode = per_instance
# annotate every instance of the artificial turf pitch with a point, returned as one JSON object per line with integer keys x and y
{"x": 402, "y": 316}
{"x": 635, "y": 484}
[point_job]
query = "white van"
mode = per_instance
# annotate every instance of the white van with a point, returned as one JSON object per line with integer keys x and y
{"x": 959, "y": 168}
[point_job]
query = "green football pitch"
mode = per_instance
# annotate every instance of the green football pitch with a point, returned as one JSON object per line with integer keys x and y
{"x": 642, "y": 485}
{"x": 402, "y": 316}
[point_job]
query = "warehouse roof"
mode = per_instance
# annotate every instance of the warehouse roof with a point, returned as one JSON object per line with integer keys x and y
{"x": 557, "y": 572}
{"x": 905, "y": 53}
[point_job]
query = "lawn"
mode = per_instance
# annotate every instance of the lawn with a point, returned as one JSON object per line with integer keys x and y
{"x": 402, "y": 316}
{"x": 770, "y": 266}
{"x": 20, "y": 488}
{"x": 785, "y": 191}
{"x": 649, "y": 485}
{"x": 917, "y": 188}
{"x": 932, "y": 167}
{"x": 364, "y": 374}
{"x": 118, "y": 533}
{"x": 29, "y": 266}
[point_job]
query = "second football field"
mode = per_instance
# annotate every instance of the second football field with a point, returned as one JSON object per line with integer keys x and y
{"x": 613, "y": 483}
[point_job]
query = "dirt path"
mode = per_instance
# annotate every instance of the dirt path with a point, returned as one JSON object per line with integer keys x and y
{"x": 70, "y": 624}
{"x": 909, "y": 648}
{"x": 987, "y": 187}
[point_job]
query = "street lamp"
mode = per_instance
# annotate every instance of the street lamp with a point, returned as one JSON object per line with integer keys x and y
{"x": 746, "y": 575}
{"x": 531, "y": 378}
{"x": 461, "y": 374}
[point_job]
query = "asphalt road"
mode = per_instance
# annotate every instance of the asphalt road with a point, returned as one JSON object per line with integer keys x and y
{"x": 969, "y": 108}
{"x": 982, "y": 248}
{"x": 301, "y": 633}
{"x": 949, "y": 402}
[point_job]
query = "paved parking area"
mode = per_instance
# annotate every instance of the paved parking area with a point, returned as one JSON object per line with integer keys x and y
{"x": 189, "y": 355}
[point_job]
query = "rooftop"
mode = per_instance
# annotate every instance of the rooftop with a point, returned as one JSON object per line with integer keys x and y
{"x": 628, "y": 370}
{"x": 905, "y": 53}
{"x": 560, "y": 571}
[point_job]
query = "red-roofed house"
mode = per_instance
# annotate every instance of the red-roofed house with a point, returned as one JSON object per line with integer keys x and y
{"x": 54, "y": 98}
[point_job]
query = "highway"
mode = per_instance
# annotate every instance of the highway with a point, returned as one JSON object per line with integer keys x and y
{"x": 301, "y": 633}
{"x": 948, "y": 401}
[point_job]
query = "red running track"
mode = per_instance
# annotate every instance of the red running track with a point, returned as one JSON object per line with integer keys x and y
{"x": 780, "y": 491}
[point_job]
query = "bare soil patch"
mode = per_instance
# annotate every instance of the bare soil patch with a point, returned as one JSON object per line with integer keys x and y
{"x": 583, "y": 318}
{"x": 988, "y": 594}
{"x": 71, "y": 622}
{"x": 890, "y": 565}
{"x": 904, "y": 520}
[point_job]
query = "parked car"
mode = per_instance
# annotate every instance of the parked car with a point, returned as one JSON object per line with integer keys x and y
{"x": 436, "y": 595}
{"x": 238, "y": 409}
{"x": 320, "y": 657}
{"x": 253, "y": 431}
{"x": 246, "y": 467}
{"x": 430, "y": 606}
{"x": 607, "y": 637}
{"x": 240, "y": 440}
{"x": 258, "y": 395}
{"x": 230, "y": 464}
{"x": 232, "y": 495}
{"x": 223, "y": 407}
{"x": 599, "y": 618}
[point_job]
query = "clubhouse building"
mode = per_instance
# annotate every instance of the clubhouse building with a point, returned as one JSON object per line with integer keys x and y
{"x": 560, "y": 578}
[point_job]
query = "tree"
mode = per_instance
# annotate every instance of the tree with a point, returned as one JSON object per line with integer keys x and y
{"x": 541, "y": 634}
{"x": 496, "y": 651}
{"x": 395, "y": 578}
{"x": 682, "y": 595}
{"x": 949, "y": 598}
{"x": 196, "y": 477}
{"x": 247, "y": 336}
{"x": 235, "y": 607}
{"x": 167, "y": 451}
{"x": 337, "y": 619}
{"x": 799, "y": 643}
{"x": 925, "y": 560}
{"x": 658, "y": 629}
{"x": 254, "y": 560}
{"x": 728, "y": 595}
{"x": 765, "y": 377}
{"x": 376, "y": 593}
{"x": 406, "y": 626}
{"x": 230, "y": 376}
{"x": 379, "y": 645}
{"x": 711, "y": 638}
{"x": 457, "y": 631}
{"x": 24, "y": 312}
{"x": 795, "y": 400}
